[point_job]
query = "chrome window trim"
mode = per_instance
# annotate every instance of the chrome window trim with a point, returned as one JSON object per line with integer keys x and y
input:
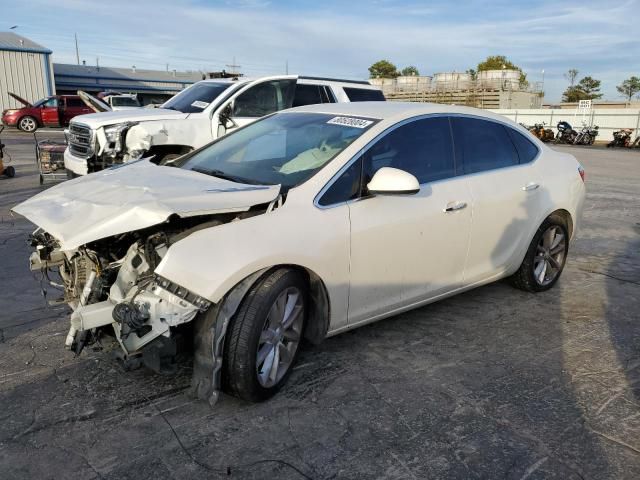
{"x": 363, "y": 150}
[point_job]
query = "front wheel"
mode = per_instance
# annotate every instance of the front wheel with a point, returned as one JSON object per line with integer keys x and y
{"x": 262, "y": 343}
{"x": 28, "y": 124}
{"x": 545, "y": 258}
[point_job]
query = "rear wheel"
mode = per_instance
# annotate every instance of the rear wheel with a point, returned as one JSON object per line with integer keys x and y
{"x": 10, "y": 172}
{"x": 545, "y": 258}
{"x": 28, "y": 124}
{"x": 262, "y": 343}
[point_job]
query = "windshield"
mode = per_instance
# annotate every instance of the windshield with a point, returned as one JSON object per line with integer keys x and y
{"x": 124, "y": 102}
{"x": 40, "y": 102}
{"x": 285, "y": 148}
{"x": 197, "y": 97}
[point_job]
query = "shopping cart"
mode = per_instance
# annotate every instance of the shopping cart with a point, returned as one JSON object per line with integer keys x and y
{"x": 50, "y": 159}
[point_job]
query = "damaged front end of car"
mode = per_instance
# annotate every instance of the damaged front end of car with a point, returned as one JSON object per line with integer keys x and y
{"x": 102, "y": 239}
{"x": 112, "y": 289}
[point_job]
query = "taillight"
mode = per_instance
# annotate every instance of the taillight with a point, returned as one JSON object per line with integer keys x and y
{"x": 581, "y": 172}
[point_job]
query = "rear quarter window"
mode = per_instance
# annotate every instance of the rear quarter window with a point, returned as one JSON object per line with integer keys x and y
{"x": 527, "y": 151}
{"x": 363, "y": 95}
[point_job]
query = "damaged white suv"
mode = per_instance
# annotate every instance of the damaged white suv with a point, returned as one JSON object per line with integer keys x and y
{"x": 306, "y": 223}
{"x": 194, "y": 117}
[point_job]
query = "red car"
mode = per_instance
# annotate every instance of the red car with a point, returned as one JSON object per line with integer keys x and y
{"x": 53, "y": 111}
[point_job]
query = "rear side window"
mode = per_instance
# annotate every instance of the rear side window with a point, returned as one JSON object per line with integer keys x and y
{"x": 527, "y": 151}
{"x": 422, "y": 147}
{"x": 75, "y": 102}
{"x": 482, "y": 145}
{"x": 363, "y": 95}
{"x": 307, "y": 95}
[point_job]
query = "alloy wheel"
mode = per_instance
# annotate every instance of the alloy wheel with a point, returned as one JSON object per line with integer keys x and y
{"x": 280, "y": 337}
{"x": 28, "y": 124}
{"x": 550, "y": 254}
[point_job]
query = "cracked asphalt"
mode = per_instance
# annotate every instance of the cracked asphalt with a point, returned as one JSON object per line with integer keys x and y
{"x": 493, "y": 383}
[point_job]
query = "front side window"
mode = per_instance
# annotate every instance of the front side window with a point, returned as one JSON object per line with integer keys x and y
{"x": 285, "y": 149}
{"x": 197, "y": 97}
{"x": 264, "y": 98}
{"x": 51, "y": 103}
{"x": 346, "y": 187}
{"x": 422, "y": 147}
{"x": 482, "y": 145}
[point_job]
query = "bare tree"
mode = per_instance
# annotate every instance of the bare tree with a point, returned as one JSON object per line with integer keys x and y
{"x": 571, "y": 76}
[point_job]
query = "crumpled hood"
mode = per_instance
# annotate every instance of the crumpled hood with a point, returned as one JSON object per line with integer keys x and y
{"x": 132, "y": 196}
{"x": 96, "y": 120}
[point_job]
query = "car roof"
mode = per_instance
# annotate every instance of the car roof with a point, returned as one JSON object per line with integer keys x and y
{"x": 395, "y": 110}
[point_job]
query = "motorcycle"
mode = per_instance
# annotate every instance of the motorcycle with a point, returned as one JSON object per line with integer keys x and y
{"x": 586, "y": 136}
{"x": 544, "y": 134}
{"x": 566, "y": 133}
{"x": 621, "y": 138}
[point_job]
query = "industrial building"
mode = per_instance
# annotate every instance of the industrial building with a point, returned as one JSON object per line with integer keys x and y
{"x": 25, "y": 70}
{"x": 152, "y": 86}
{"x": 490, "y": 89}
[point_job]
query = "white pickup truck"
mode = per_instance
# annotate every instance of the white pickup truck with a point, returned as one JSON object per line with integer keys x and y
{"x": 196, "y": 116}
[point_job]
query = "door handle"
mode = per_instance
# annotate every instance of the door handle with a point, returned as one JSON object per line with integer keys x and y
{"x": 530, "y": 186}
{"x": 452, "y": 207}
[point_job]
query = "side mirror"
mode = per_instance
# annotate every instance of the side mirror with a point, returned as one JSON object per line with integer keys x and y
{"x": 393, "y": 181}
{"x": 225, "y": 116}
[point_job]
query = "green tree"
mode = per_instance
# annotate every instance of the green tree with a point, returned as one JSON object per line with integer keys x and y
{"x": 587, "y": 88}
{"x": 383, "y": 69}
{"x": 591, "y": 88}
{"x": 629, "y": 88}
{"x": 497, "y": 62}
{"x": 410, "y": 70}
{"x": 472, "y": 73}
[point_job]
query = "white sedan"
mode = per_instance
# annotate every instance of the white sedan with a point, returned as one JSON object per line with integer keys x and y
{"x": 307, "y": 223}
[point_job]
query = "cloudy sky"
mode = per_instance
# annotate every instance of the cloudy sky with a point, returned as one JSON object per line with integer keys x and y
{"x": 342, "y": 38}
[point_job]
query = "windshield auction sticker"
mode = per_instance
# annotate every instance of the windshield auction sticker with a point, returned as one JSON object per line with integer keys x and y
{"x": 350, "y": 122}
{"x": 200, "y": 104}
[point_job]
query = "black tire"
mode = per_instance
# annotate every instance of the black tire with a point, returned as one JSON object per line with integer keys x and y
{"x": 524, "y": 278}
{"x": 10, "y": 172}
{"x": 239, "y": 373}
{"x": 28, "y": 124}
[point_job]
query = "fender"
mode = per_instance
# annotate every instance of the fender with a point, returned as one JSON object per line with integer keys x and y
{"x": 193, "y": 132}
{"x": 212, "y": 261}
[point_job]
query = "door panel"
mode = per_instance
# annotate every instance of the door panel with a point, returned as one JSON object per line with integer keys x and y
{"x": 506, "y": 195}
{"x": 407, "y": 248}
{"x": 49, "y": 113}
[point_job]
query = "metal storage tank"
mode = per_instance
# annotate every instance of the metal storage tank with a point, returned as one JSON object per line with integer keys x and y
{"x": 25, "y": 69}
{"x": 499, "y": 79}
{"x": 452, "y": 81}
{"x": 414, "y": 82}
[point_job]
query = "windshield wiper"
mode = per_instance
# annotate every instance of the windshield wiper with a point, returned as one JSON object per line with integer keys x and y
{"x": 225, "y": 176}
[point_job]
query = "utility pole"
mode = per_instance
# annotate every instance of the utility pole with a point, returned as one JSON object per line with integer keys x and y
{"x": 77, "y": 51}
{"x": 233, "y": 67}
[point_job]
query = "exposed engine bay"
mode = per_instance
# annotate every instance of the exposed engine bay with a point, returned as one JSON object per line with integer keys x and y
{"x": 113, "y": 291}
